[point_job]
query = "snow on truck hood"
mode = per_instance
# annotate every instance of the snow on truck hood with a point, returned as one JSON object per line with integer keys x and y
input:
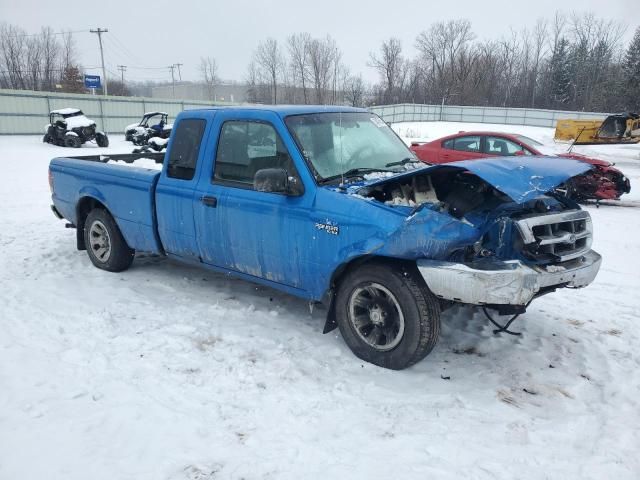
{"x": 520, "y": 178}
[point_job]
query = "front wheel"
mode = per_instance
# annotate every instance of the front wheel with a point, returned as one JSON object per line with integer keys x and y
{"x": 102, "y": 140}
{"x": 387, "y": 315}
{"x": 106, "y": 247}
{"x": 72, "y": 141}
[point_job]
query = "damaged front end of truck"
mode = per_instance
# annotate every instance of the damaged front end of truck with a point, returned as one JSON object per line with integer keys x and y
{"x": 491, "y": 232}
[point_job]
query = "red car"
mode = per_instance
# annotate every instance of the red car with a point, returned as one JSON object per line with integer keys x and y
{"x": 602, "y": 182}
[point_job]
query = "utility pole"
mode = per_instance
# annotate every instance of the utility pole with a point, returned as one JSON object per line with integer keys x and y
{"x": 173, "y": 80}
{"x": 100, "y": 31}
{"x": 122, "y": 68}
{"x": 179, "y": 73}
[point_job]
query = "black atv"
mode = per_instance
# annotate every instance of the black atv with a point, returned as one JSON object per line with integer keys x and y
{"x": 153, "y": 124}
{"x": 68, "y": 127}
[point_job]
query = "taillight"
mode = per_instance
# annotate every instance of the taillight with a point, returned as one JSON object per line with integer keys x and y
{"x": 50, "y": 181}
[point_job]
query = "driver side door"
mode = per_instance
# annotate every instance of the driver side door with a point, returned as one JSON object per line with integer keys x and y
{"x": 238, "y": 228}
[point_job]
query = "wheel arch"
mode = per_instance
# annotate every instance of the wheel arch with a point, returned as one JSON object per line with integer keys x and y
{"x": 343, "y": 269}
{"x": 85, "y": 204}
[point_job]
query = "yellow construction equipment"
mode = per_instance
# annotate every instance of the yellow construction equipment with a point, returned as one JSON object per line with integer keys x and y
{"x": 618, "y": 128}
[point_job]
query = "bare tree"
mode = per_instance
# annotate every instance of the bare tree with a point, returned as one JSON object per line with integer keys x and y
{"x": 12, "y": 49}
{"x": 322, "y": 57}
{"x": 68, "y": 53}
{"x": 298, "y": 46}
{"x": 209, "y": 72}
{"x": 390, "y": 66}
{"x": 440, "y": 48}
{"x": 269, "y": 58}
{"x": 32, "y": 62}
{"x": 538, "y": 53}
{"x": 50, "y": 52}
{"x": 354, "y": 91}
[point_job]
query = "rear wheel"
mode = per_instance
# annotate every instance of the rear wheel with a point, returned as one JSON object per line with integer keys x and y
{"x": 387, "y": 316}
{"x": 72, "y": 141}
{"x": 106, "y": 247}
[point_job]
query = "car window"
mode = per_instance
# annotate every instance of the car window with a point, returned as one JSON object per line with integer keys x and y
{"x": 246, "y": 147}
{"x": 503, "y": 147}
{"x": 448, "y": 143}
{"x": 467, "y": 144}
{"x": 529, "y": 141}
{"x": 185, "y": 148}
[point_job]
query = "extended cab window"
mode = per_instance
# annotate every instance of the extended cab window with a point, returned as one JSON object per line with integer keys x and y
{"x": 246, "y": 147}
{"x": 185, "y": 148}
{"x": 467, "y": 144}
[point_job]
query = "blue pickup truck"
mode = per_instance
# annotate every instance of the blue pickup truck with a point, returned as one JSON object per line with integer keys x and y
{"x": 328, "y": 204}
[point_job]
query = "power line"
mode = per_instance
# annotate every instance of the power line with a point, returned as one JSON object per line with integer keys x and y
{"x": 100, "y": 31}
{"x": 52, "y": 33}
{"x": 146, "y": 68}
{"x": 179, "y": 74}
{"x": 117, "y": 51}
{"x": 122, "y": 68}
{"x": 123, "y": 47}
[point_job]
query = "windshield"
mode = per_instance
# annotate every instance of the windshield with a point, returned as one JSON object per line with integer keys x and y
{"x": 339, "y": 144}
{"x": 529, "y": 141}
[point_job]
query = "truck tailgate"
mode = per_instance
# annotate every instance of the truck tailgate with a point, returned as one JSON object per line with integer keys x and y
{"x": 126, "y": 191}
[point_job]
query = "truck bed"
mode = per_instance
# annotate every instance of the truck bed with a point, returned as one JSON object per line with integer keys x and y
{"x": 126, "y": 190}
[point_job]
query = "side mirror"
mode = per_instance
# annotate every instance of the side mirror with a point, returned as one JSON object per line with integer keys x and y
{"x": 519, "y": 153}
{"x": 274, "y": 180}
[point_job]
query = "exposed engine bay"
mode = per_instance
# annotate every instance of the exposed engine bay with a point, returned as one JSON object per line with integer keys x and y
{"x": 452, "y": 191}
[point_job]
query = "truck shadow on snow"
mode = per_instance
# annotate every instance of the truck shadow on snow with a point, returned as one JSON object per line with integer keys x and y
{"x": 464, "y": 331}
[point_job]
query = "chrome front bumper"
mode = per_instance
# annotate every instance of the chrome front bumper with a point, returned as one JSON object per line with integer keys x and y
{"x": 493, "y": 282}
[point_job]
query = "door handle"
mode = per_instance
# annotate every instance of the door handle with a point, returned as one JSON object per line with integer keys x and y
{"x": 210, "y": 201}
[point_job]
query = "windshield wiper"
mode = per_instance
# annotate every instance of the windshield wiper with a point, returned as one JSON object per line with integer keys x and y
{"x": 355, "y": 172}
{"x": 404, "y": 161}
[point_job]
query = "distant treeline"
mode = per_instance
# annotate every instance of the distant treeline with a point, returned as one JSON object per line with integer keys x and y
{"x": 574, "y": 62}
{"x": 43, "y": 61}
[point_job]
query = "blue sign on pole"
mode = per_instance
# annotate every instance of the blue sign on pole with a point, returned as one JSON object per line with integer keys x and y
{"x": 92, "y": 81}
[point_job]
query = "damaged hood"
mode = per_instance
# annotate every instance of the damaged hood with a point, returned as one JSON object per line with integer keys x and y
{"x": 520, "y": 178}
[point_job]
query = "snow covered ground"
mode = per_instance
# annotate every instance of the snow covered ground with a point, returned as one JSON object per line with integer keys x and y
{"x": 170, "y": 372}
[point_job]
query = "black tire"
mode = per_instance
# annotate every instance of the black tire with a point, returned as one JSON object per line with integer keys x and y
{"x": 72, "y": 141}
{"x": 102, "y": 140}
{"x": 418, "y": 307}
{"x": 119, "y": 256}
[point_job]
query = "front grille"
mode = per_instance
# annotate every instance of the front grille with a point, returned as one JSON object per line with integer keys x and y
{"x": 557, "y": 236}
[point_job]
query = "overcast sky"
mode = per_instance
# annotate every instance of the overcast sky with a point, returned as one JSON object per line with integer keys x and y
{"x": 157, "y": 33}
